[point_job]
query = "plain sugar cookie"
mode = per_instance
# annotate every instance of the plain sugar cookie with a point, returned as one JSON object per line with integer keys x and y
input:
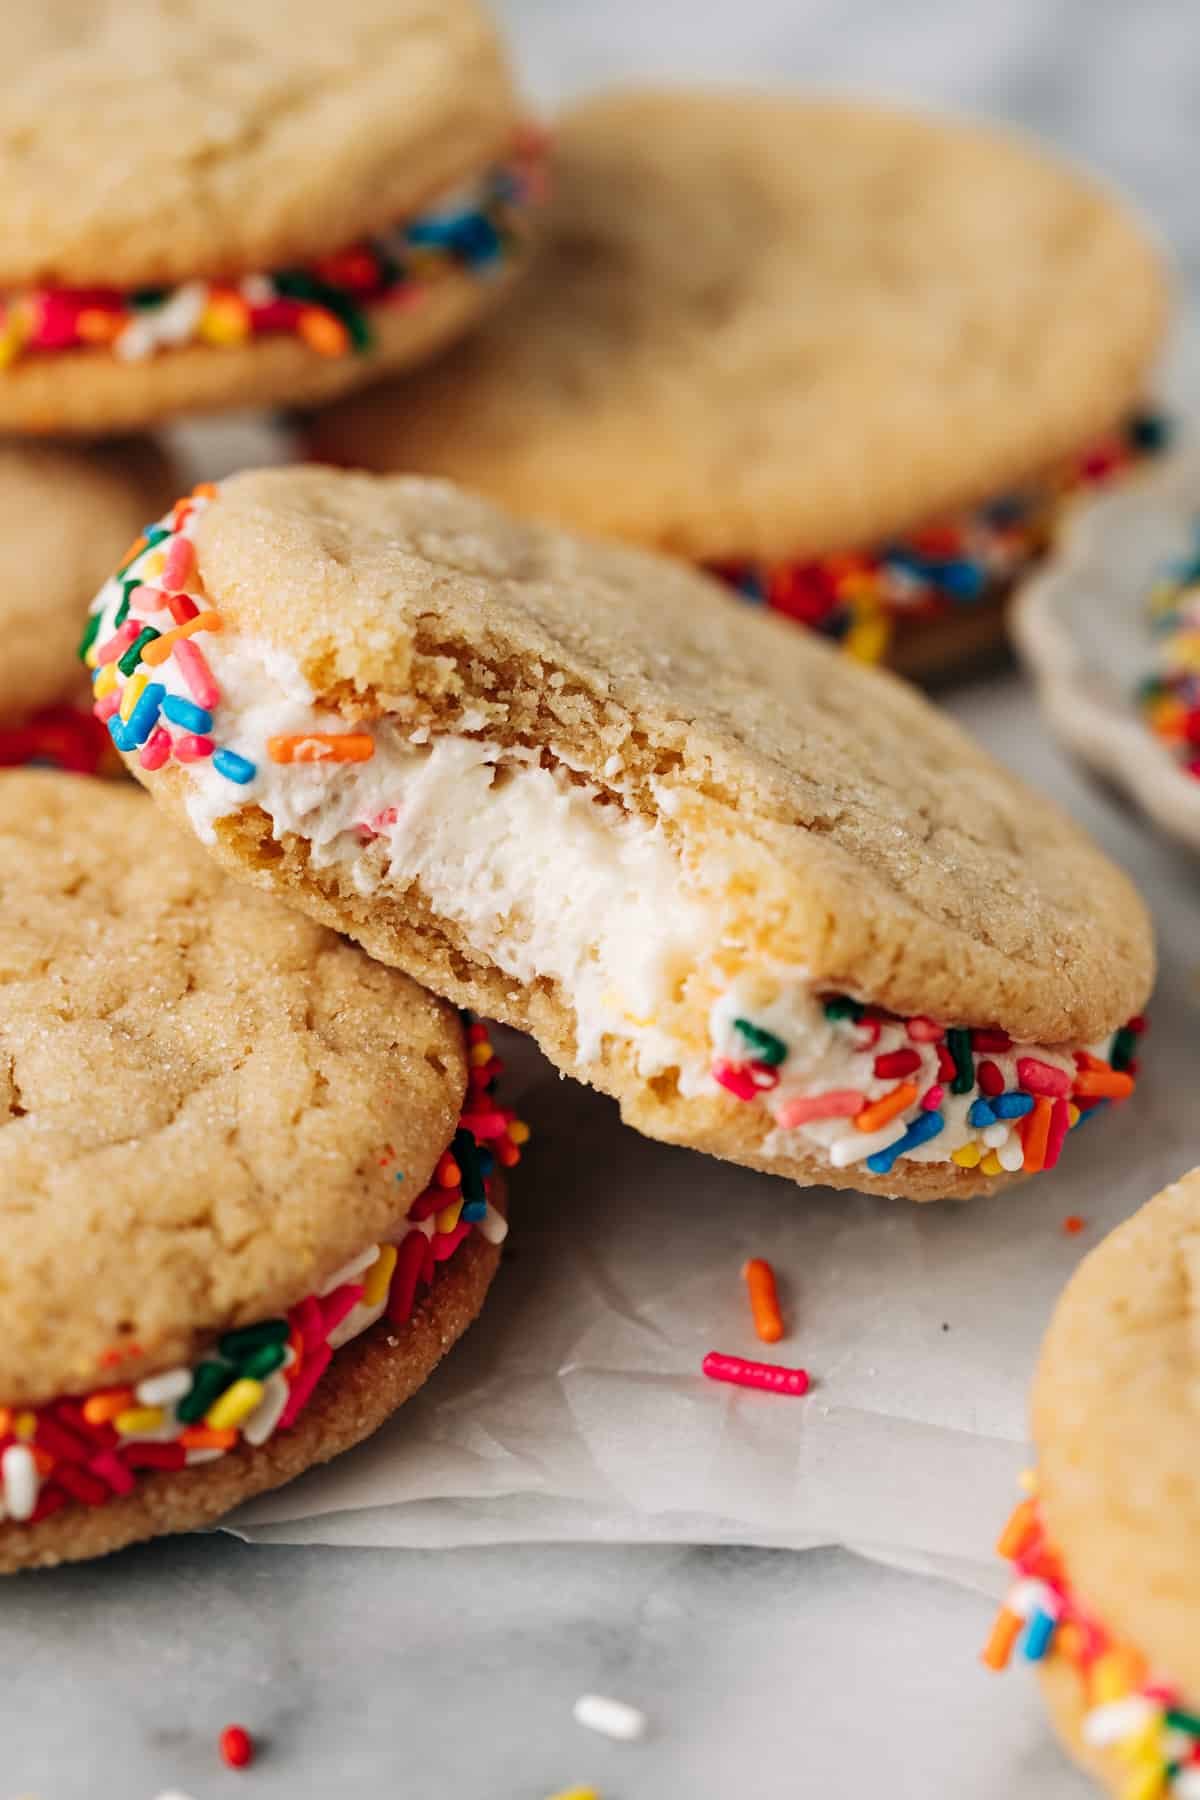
{"x": 774, "y": 902}
{"x": 852, "y": 358}
{"x": 230, "y": 1145}
{"x": 1105, "y": 1597}
{"x": 291, "y": 199}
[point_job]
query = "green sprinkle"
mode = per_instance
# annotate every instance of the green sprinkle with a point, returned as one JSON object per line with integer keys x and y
{"x": 262, "y": 1362}
{"x": 127, "y": 588}
{"x": 133, "y": 656}
{"x": 958, "y": 1043}
{"x": 89, "y": 633}
{"x": 767, "y": 1047}
{"x": 154, "y": 534}
{"x": 842, "y": 1007}
{"x": 144, "y": 298}
{"x": 299, "y": 284}
{"x": 1178, "y": 1720}
{"x": 237, "y": 1344}
{"x": 466, "y": 1154}
{"x": 1124, "y": 1045}
{"x": 208, "y": 1384}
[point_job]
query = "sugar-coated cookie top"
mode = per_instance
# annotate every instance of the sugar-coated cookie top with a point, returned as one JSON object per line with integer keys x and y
{"x": 774, "y": 327}
{"x": 1116, "y": 1422}
{"x": 195, "y": 1088}
{"x": 64, "y": 515}
{"x": 871, "y": 842}
{"x": 143, "y": 141}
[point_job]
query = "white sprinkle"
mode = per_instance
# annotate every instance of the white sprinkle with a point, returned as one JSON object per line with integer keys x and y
{"x": 267, "y": 1414}
{"x": 1187, "y": 1785}
{"x": 493, "y": 1225}
{"x": 1011, "y": 1156}
{"x": 350, "y": 1271}
{"x": 164, "y": 1390}
{"x": 257, "y": 290}
{"x": 1117, "y": 1720}
{"x": 995, "y": 1135}
{"x": 1028, "y": 1597}
{"x": 857, "y": 1144}
{"x": 173, "y": 1794}
{"x": 613, "y": 1718}
{"x": 20, "y": 1481}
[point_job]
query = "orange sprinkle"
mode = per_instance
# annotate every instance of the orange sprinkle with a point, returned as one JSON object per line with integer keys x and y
{"x": 1003, "y": 1635}
{"x": 43, "y": 1461}
{"x": 1073, "y": 1224}
{"x": 158, "y": 651}
{"x": 322, "y": 746}
{"x": 759, "y": 1277}
{"x": 1037, "y": 1134}
{"x": 1020, "y": 1531}
{"x": 204, "y": 490}
{"x": 101, "y": 1409}
{"x": 135, "y": 549}
{"x": 1070, "y": 1641}
{"x": 204, "y": 1437}
{"x": 322, "y": 332}
{"x": 95, "y": 326}
{"x": 1103, "y": 1084}
{"x": 886, "y": 1107}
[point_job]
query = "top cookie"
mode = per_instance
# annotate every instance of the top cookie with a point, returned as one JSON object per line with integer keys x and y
{"x": 142, "y": 143}
{"x": 1117, "y": 1431}
{"x": 570, "y": 784}
{"x": 770, "y": 328}
{"x": 64, "y": 515}
{"x": 195, "y": 1086}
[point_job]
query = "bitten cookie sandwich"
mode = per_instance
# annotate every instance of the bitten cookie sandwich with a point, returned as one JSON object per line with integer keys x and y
{"x": 246, "y": 203}
{"x": 1104, "y": 1600}
{"x": 248, "y": 1191}
{"x": 851, "y": 358}
{"x": 64, "y": 515}
{"x": 773, "y": 901}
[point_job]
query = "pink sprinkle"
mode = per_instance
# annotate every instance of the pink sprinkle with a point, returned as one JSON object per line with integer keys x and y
{"x": 191, "y": 748}
{"x": 1060, "y": 1123}
{"x": 933, "y": 1099}
{"x": 149, "y": 598}
{"x": 194, "y": 668}
{"x": 181, "y": 608}
{"x": 1042, "y": 1078}
{"x": 180, "y": 565}
{"x": 736, "y": 1078}
{"x": 839, "y": 1103}
{"x": 771, "y": 1376}
{"x": 104, "y": 709}
{"x": 870, "y": 1029}
{"x": 445, "y": 1243}
{"x": 925, "y": 1031}
{"x": 119, "y": 642}
{"x": 336, "y": 1306}
{"x": 109, "y": 1467}
{"x": 309, "y": 1321}
{"x": 157, "y": 749}
{"x": 311, "y": 1371}
{"x": 486, "y": 1124}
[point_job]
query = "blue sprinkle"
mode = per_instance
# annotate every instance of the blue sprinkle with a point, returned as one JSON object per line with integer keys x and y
{"x": 144, "y": 716}
{"x": 118, "y": 731}
{"x": 487, "y": 1162}
{"x": 981, "y": 1115}
{"x": 919, "y": 1132}
{"x": 473, "y": 1211}
{"x": 1038, "y": 1636}
{"x": 965, "y": 580}
{"x": 234, "y": 767}
{"x": 1012, "y": 1106}
{"x": 187, "y": 714}
{"x": 399, "y": 1175}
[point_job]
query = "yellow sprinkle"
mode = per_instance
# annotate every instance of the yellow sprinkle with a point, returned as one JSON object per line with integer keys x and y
{"x": 968, "y": 1157}
{"x": 225, "y": 320}
{"x": 24, "y": 1425}
{"x": 234, "y": 1405}
{"x": 991, "y": 1164}
{"x": 867, "y": 639}
{"x": 1146, "y": 1782}
{"x": 139, "y": 1419}
{"x": 584, "y": 1793}
{"x": 378, "y": 1278}
{"x": 518, "y": 1132}
{"x": 1027, "y": 1481}
{"x": 106, "y": 681}
{"x": 447, "y": 1219}
{"x": 1110, "y": 1678}
{"x": 132, "y": 693}
{"x": 481, "y": 1053}
{"x": 1072, "y": 1114}
{"x": 153, "y": 565}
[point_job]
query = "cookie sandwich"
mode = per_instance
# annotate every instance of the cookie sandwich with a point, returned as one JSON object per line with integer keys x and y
{"x": 771, "y": 900}
{"x": 247, "y": 204}
{"x": 64, "y": 514}
{"x": 1104, "y": 1600}
{"x": 249, "y": 1180}
{"x": 852, "y": 359}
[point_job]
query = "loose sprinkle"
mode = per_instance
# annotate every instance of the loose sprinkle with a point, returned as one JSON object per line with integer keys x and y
{"x": 236, "y": 1746}
{"x": 741, "y": 1373}
{"x": 612, "y": 1718}
{"x": 759, "y": 1277}
{"x": 1073, "y": 1224}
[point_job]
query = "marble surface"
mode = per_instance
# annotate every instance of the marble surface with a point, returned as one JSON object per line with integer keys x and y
{"x": 444, "y": 1675}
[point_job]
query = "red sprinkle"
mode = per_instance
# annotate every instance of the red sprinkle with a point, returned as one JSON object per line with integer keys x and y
{"x": 236, "y": 1746}
{"x": 770, "y": 1376}
{"x": 1073, "y": 1224}
{"x": 897, "y": 1062}
{"x": 1037, "y": 1077}
{"x": 989, "y": 1077}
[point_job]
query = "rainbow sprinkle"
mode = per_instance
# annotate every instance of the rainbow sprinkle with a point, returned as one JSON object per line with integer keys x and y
{"x": 327, "y": 304}
{"x": 92, "y": 1447}
{"x": 1137, "y": 1715}
{"x": 1170, "y": 697}
{"x": 1012, "y": 1109}
{"x": 862, "y": 599}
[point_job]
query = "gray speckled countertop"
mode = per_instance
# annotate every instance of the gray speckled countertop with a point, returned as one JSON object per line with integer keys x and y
{"x": 421, "y": 1675}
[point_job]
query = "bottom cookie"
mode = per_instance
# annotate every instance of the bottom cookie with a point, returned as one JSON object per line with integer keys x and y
{"x": 367, "y": 1380}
